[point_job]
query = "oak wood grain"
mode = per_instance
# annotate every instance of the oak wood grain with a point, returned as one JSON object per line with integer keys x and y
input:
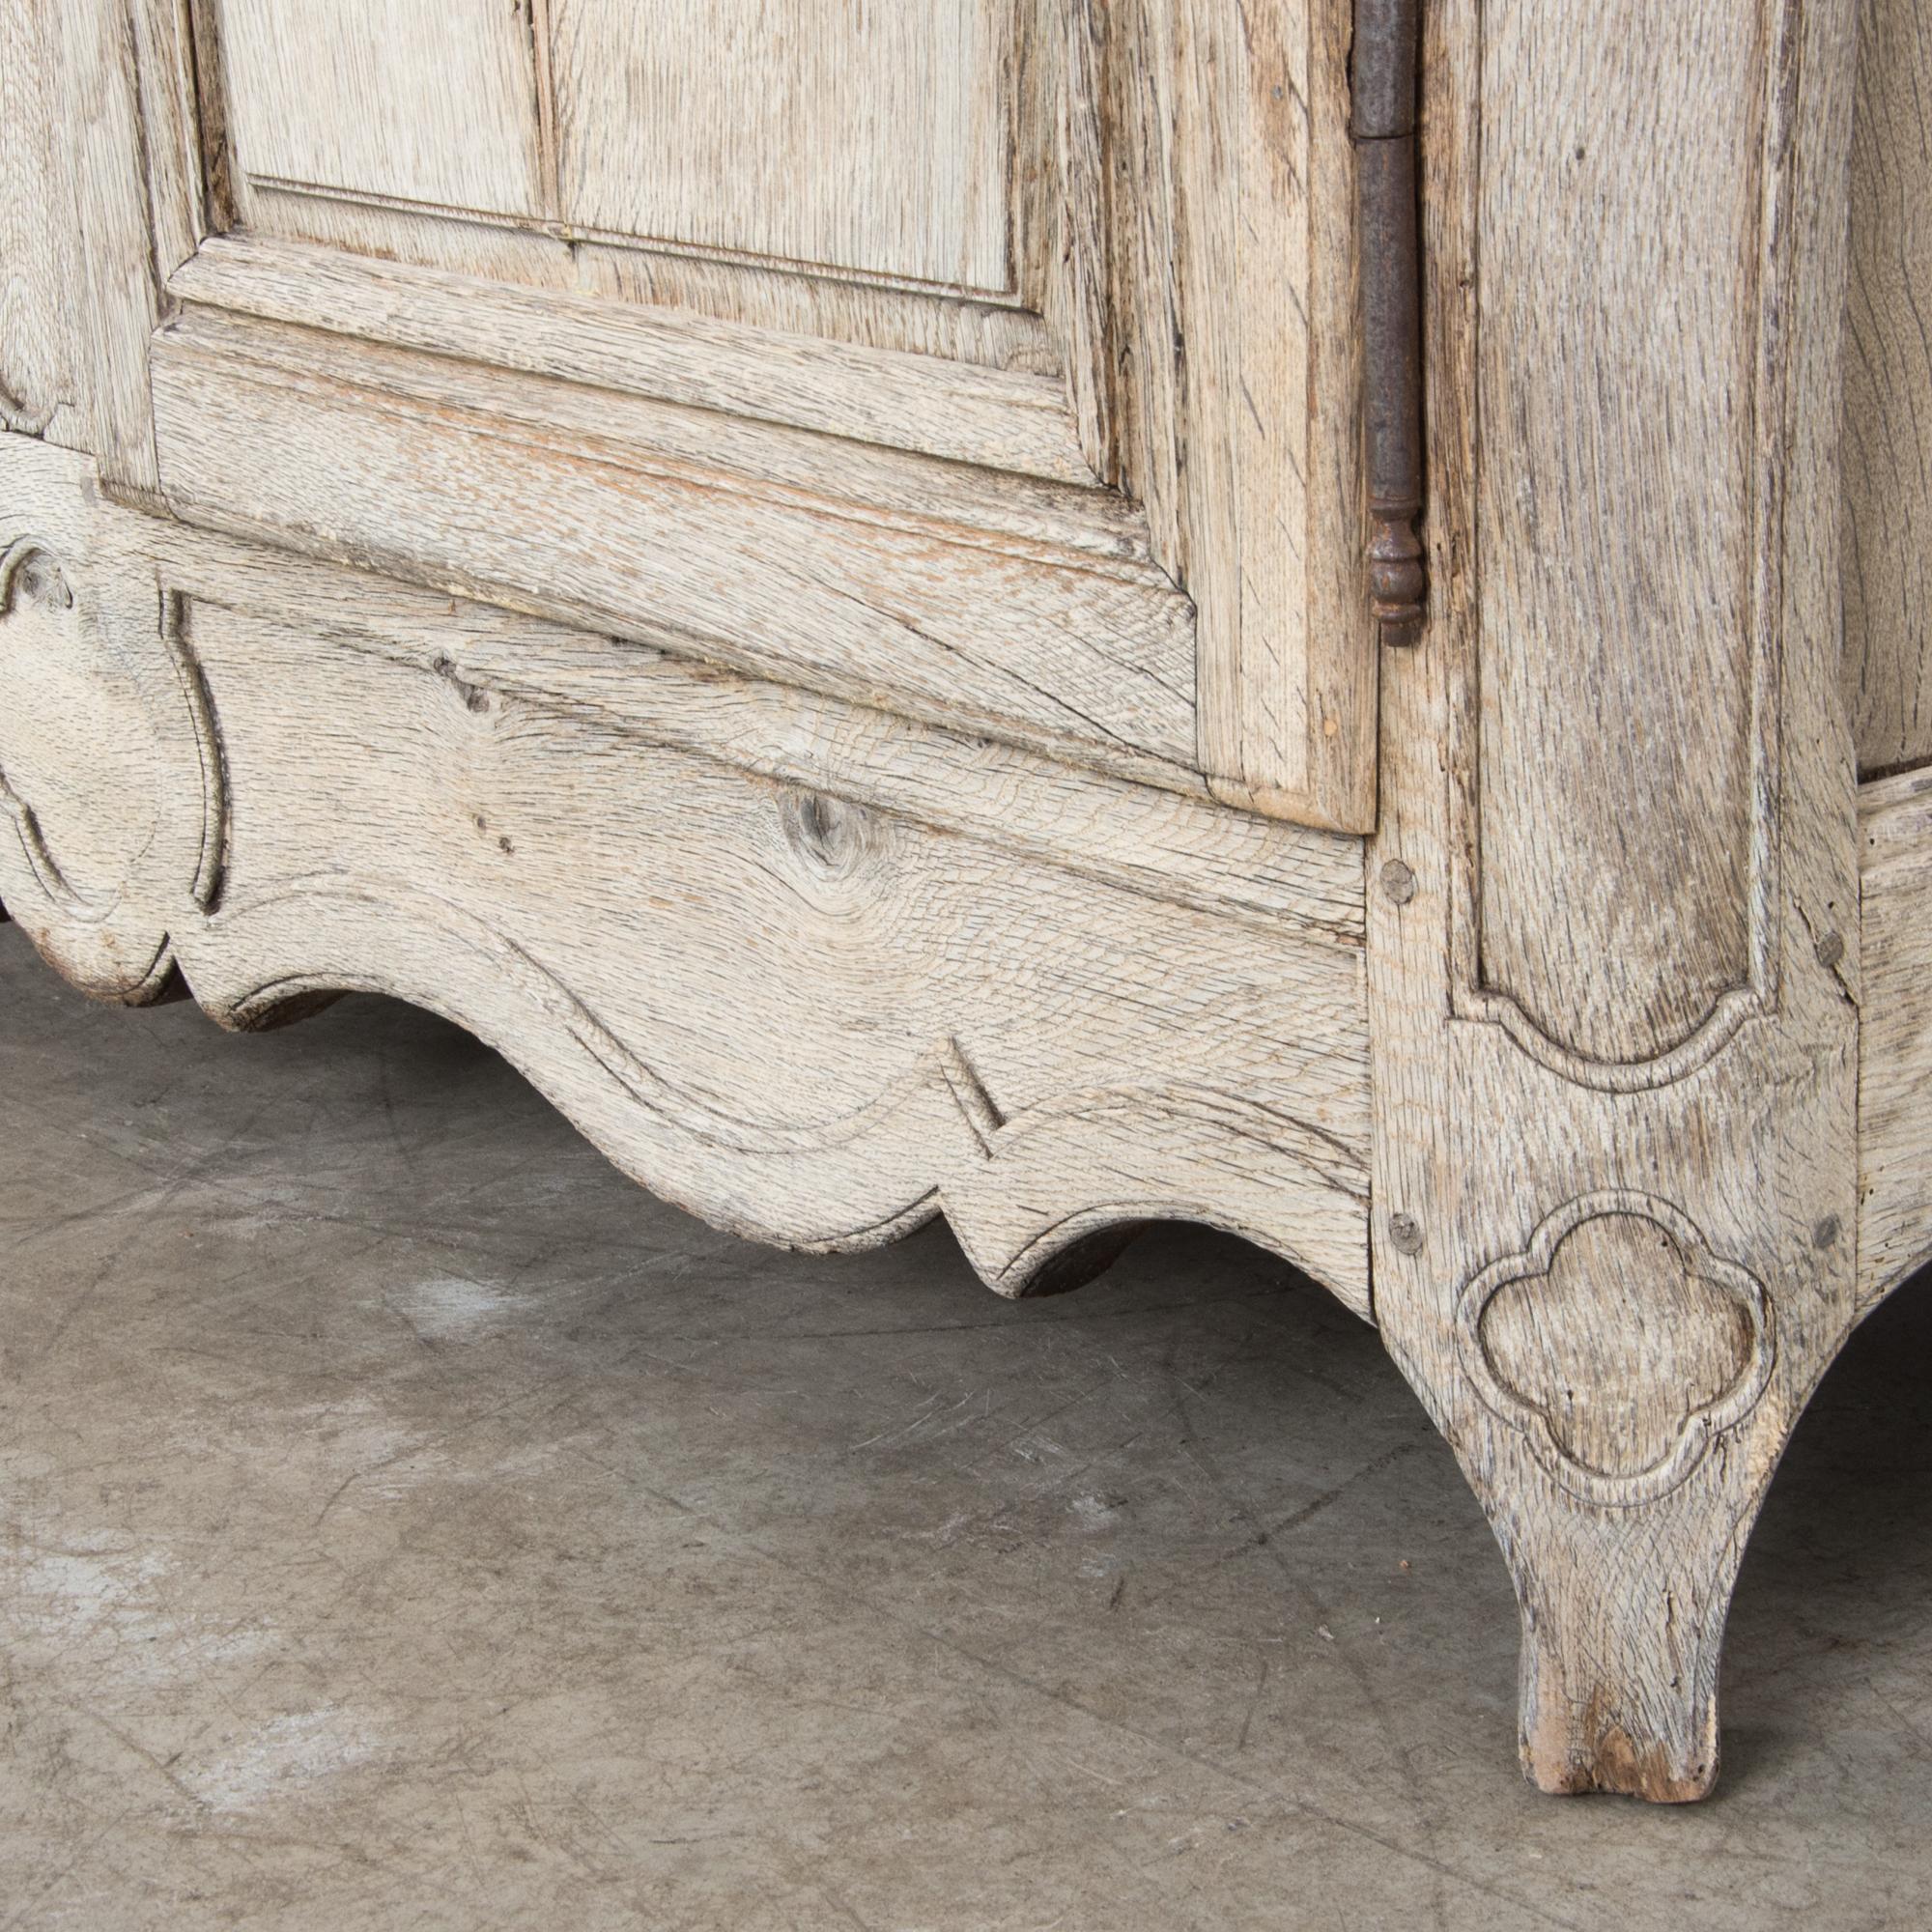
{"x": 993, "y": 418}
{"x": 1616, "y": 1293}
{"x": 873, "y": 138}
{"x": 1621, "y": 499}
{"x": 36, "y": 234}
{"x": 806, "y": 621}
{"x": 425, "y": 101}
{"x": 560, "y": 498}
{"x": 1232, "y": 410}
{"x": 1144, "y": 209}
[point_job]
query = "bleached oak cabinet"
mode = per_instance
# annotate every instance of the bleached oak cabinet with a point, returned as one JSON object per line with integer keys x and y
{"x": 836, "y": 578}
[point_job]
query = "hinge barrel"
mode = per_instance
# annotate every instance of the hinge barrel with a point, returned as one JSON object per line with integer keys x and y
{"x": 1387, "y": 50}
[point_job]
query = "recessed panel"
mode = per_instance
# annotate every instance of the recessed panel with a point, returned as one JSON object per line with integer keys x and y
{"x": 1628, "y": 301}
{"x": 861, "y": 134}
{"x": 426, "y": 100}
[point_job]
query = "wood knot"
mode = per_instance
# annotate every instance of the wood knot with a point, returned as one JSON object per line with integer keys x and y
{"x": 832, "y": 834}
{"x": 1398, "y": 882}
{"x": 37, "y": 579}
{"x": 473, "y": 696}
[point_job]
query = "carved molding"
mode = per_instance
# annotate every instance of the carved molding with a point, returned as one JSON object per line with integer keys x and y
{"x": 1619, "y": 1345}
{"x": 111, "y": 771}
{"x": 1018, "y": 1188}
{"x": 815, "y": 980}
{"x": 32, "y": 581}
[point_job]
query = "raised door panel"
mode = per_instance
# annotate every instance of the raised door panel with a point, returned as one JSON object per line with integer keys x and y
{"x": 989, "y": 361}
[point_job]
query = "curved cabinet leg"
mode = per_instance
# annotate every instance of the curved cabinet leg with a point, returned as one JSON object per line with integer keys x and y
{"x": 1613, "y": 904}
{"x": 1618, "y": 1391}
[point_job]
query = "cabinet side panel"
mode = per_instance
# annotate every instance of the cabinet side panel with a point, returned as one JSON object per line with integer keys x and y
{"x": 1540, "y": 1212}
{"x": 1888, "y": 393}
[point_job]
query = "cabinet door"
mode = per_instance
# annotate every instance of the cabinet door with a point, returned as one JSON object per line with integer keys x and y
{"x": 989, "y": 361}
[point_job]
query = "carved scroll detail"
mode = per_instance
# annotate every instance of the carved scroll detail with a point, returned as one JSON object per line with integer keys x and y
{"x": 111, "y": 770}
{"x": 1619, "y": 1345}
{"x": 17, "y": 415}
{"x": 31, "y": 579}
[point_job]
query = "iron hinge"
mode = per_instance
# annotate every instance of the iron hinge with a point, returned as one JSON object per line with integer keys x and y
{"x": 1383, "y": 83}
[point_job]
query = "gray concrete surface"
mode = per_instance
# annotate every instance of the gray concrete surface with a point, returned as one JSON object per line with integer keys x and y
{"x": 406, "y": 1523}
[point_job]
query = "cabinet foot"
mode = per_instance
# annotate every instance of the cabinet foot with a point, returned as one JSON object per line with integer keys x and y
{"x": 1618, "y": 1395}
{"x": 1623, "y": 1622}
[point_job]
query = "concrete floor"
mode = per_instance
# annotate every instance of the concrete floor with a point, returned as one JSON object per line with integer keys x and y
{"x": 406, "y": 1523}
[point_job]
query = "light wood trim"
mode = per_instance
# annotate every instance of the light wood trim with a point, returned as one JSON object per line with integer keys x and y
{"x": 955, "y": 594}
{"x": 1626, "y": 736}
{"x": 436, "y": 100}
{"x": 1182, "y": 850}
{"x": 100, "y": 199}
{"x": 962, "y": 412}
{"x": 1130, "y": 209}
{"x": 38, "y": 390}
{"x": 1234, "y": 379}
{"x": 780, "y": 296}
{"x": 1614, "y": 1238}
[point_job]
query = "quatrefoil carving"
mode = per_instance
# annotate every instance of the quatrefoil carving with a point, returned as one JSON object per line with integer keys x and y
{"x": 1619, "y": 1345}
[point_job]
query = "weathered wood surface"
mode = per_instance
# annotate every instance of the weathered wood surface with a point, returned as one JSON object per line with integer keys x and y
{"x": 1137, "y": 214}
{"x": 1887, "y": 533}
{"x": 1614, "y": 1195}
{"x": 1896, "y": 1041}
{"x": 96, "y": 208}
{"x": 815, "y": 973}
{"x": 729, "y": 150}
{"x": 418, "y": 100}
{"x": 869, "y": 574}
{"x": 882, "y": 572}
{"x": 1007, "y": 421}
{"x": 37, "y": 236}
{"x": 1234, "y": 376}
{"x": 778, "y": 296}
{"x": 1613, "y": 645}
